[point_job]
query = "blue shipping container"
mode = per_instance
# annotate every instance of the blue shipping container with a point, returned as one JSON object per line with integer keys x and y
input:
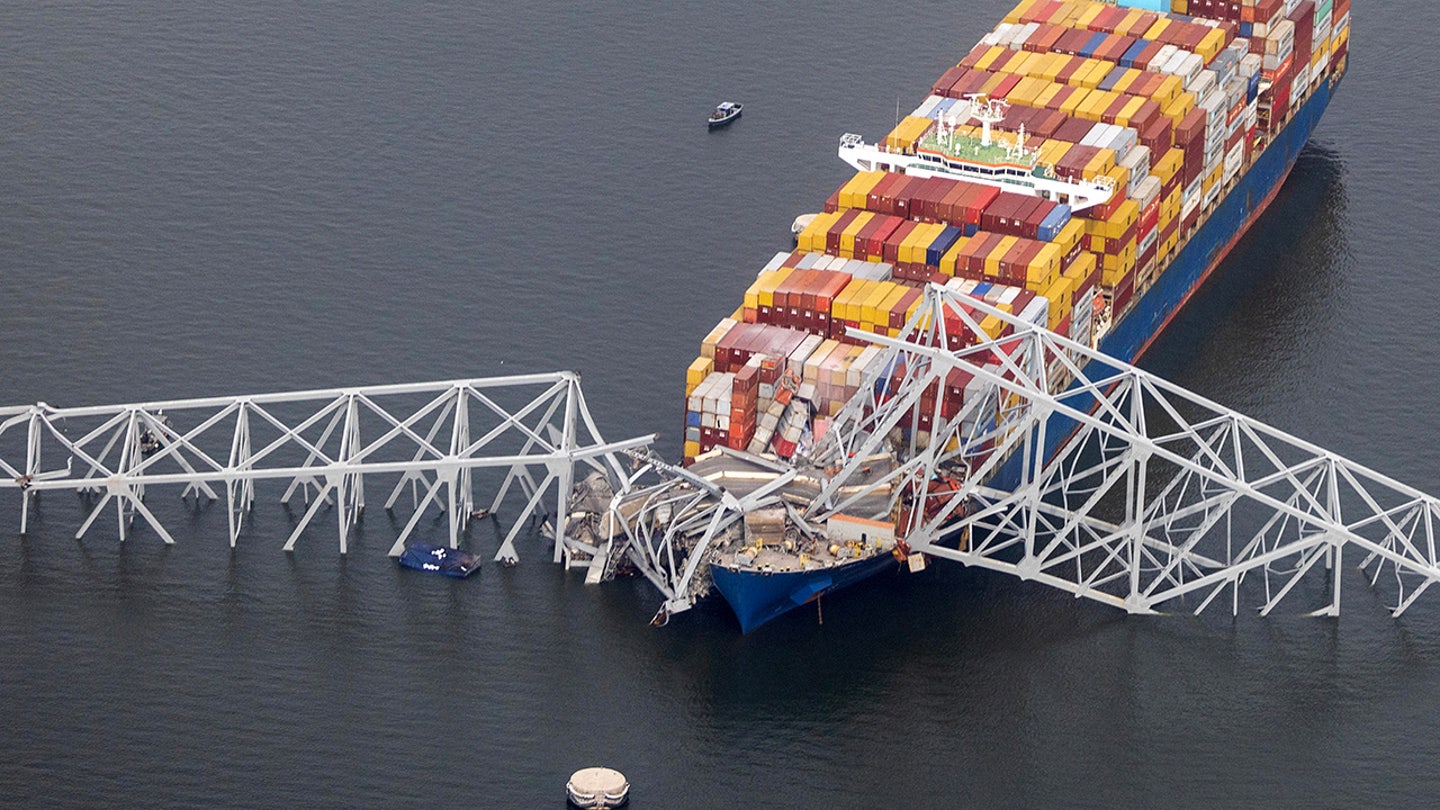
{"x": 1088, "y": 51}
{"x": 1054, "y": 222}
{"x": 1108, "y": 83}
{"x": 941, "y": 244}
{"x": 1133, "y": 52}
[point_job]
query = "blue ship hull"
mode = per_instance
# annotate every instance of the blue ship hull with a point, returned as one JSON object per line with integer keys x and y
{"x": 757, "y": 598}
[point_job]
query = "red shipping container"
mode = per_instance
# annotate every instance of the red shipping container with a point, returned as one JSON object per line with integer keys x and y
{"x": 875, "y": 242}
{"x": 942, "y": 85}
{"x": 892, "y": 243}
{"x": 875, "y": 200}
{"x": 974, "y": 56}
{"x": 1005, "y": 86}
{"x": 832, "y": 236}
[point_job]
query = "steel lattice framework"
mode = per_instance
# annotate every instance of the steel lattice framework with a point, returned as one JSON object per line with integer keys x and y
{"x": 1121, "y": 488}
{"x": 1063, "y": 466}
{"x": 433, "y": 439}
{"x": 1124, "y": 488}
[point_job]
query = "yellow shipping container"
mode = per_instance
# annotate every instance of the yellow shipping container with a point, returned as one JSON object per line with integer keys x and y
{"x": 697, "y": 372}
{"x": 1098, "y": 70}
{"x": 1126, "y": 79}
{"x": 1031, "y": 65}
{"x": 1129, "y": 110}
{"x": 992, "y": 260}
{"x": 1093, "y": 106}
{"x": 995, "y": 52}
{"x": 1167, "y": 165}
{"x": 1045, "y": 267}
{"x": 1101, "y": 164}
{"x": 1210, "y": 44}
{"x": 1050, "y": 91}
{"x": 1058, "y": 294}
{"x": 1071, "y": 104}
{"x": 692, "y": 449}
{"x": 1052, "y": 151}
{"x": 888, "y": 305}
{"x": 1124, "y": 217}
{"x": 991, "y": 83}
{"x": 1021, "y": 9}
{"x": 1169, "y": 89}
{"x": 1050, "y": 65}
{"x": 920, "y": 237}
{"x": 1154, "y": 31}
{"x": 910, "y": 129}
{"x": 1179, "y": 108}
{"x": 847, "y": 236}
{"x": 948, "y": 261}
{"x": 1180, "y": 6}
{"x": 1081, "y": 268}
{"x": 1070, "y": 235}
{"x": 1129, "y": 19}
{"x": 1026, "y": 90}
{"x": 816, "y": 229}
{"x": 1088, "y": 15}
{"x": 853, "y": 193}
{"x": 841, "y": 307}
{"x": 871, "y": 310}
{"x": 770, "y": 283}
{"x": 1120, "y": 176}
{"x": 992, "y": 326}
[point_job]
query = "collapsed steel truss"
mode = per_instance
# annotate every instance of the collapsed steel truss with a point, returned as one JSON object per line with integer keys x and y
{"x": 434, "y": 439}
{"x": 1121, "y": 488}
{"x": 1127, "y": 489}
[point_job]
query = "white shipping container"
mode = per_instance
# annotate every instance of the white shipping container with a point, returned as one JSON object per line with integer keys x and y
{"x": 1023, "y": 35}
{"x": 1147, "y": 191}
{"x": 1091, "y": 137}
{"x": 1300, "y": 83}
{"x": 1317, "y": 71}
{"x": 1190, "y": 203}
{"x": 1037, "y": 311}
{"x": 1204, "y": 84}
{"x": 1125, "y": 139}
{"x": 993, "y": 38}
{"x": 1162, "y": 56}
{"x": 926, "y": 106}
{"x": 774, "y": 263}
{"x": 1172, "y": 65}
{"x": 1233, "y": 159}
{"x": 1190, "y": 68}
{"x": 1281, "y": 39}
{"x": 1250, "y": 65}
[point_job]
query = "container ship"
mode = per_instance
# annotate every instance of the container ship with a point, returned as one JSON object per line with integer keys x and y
{"x": 1085, "y": 166}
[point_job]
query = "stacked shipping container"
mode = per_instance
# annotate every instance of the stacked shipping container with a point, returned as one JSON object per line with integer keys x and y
{"x": 1165, "y": 109}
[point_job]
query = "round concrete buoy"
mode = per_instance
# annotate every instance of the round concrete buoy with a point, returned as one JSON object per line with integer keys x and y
{"x": 597, "y": 787}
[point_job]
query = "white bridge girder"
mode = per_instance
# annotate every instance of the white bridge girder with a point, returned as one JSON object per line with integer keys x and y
{"x": 433, "y": 439}
{"x": 1122, "y": 487}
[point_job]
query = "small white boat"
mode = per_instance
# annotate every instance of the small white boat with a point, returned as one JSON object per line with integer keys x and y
{"x": 725, "y": 113}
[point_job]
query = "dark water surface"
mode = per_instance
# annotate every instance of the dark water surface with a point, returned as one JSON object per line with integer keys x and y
{"x": 231, "y": 198}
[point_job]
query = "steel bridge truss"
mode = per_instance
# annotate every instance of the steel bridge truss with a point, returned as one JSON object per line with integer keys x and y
{"x": 1122, "y": 488}
{"x": 440, "y": 441}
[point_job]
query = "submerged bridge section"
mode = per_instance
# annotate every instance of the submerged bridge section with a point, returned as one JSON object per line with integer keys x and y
{"x": 441, "y": 443}
{"x": 1063, "y": 466}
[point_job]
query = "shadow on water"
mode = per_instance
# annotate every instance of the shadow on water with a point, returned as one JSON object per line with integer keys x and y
{"x": 1280, "y": 290}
